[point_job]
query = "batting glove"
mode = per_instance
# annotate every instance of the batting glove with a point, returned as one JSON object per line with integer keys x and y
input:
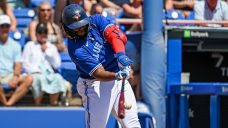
{"x": 125, "y": 73}
{"x": 123, "y": 60}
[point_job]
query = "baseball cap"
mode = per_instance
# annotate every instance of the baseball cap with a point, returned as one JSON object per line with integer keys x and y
{"x": 4, "y": 19}
{"x": 41, "y": 28}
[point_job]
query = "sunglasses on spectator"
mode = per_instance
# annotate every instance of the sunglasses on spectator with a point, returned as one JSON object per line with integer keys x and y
{"x": 43, "y": 10}
{"x": 5, "y": 25}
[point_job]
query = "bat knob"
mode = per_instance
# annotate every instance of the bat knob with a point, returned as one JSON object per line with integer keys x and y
{"x": 121, "y": 115}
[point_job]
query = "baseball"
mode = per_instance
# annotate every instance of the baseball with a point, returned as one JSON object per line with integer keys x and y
{"x": 127, "y": 105}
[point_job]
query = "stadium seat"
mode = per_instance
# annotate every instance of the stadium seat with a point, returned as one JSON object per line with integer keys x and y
{"x": 24, "y": 13}
{"x": 69, "y": 72}
{"x": 6, "y": 87}
{"x": 146, "y": 120}
{"x": 65, "y": 57}
{"x": 191, "y": 16}
{"x": 19, "y": 37}
{"x": 172, "y": 15}
{"x": 24, "y": 17}
{"x": 35, "y": 3}
{"x": 23, "y": 22}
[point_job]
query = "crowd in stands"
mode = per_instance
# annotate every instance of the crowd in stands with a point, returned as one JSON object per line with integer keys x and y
{"x": 214, "y": 10}
{"x": 34, "y": 65}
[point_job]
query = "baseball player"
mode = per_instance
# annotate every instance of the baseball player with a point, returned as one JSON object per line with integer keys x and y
{"x": 96, "y": 46}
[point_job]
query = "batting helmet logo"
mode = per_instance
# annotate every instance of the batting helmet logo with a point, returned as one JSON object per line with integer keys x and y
{"x": 77, "y": 17}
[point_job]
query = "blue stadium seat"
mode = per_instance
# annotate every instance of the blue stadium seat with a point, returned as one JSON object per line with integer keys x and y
{"x": 146, "y": 120}
{"x": 69, "y": 72}
{"x": 35, "y": 3}
{"x": 19, "y": 37}
{"x": 172, "y": 15}
{"x": 24, "y": 13}
{"x": 24, "y": 17}
{"x": 65, "y": 57}
{"x": 6, "y": 87}
{"x": 191, "y": 16}
{"x": 23, "y": 22}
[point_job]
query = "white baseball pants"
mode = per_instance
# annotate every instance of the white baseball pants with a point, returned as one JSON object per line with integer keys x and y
{"x": 100, "y": 98}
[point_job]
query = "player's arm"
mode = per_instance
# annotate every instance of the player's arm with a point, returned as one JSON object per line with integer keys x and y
{"x": 115, "y": 37}
{"x": 101, "y": 74}
{"x": 111, "y": 32}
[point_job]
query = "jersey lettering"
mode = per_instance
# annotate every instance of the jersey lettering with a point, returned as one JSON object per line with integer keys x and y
{"x": 97, "y": 50}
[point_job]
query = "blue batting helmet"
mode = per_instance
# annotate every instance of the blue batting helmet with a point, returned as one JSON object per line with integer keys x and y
{"x": 74, "y": 16}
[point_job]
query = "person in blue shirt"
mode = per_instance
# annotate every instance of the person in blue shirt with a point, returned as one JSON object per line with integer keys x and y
{"x": 96, "y": 46}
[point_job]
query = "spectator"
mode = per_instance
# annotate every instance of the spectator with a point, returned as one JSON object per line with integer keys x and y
{"x": 124, "y": 9}
{"x": 5, "y": 9}
{"x": 129, "y": 9}
{"x": 40, "y": 59}
{"x": 180, "y": 4}
{"x": 184, "y": 7}
{"x": 96, "y": 9}
{"x": 54, "y": 32}
{"x": 215, "y": 10}
{"x": 86, "y": 4}
{"x": 10, "y": 69}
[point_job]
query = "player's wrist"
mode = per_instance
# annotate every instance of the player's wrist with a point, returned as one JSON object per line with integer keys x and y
{"x": 118, "y": 76}
{"x": 118, "y": 54}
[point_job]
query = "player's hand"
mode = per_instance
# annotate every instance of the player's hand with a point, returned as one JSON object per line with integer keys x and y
{"x": 125, "y": 73}
{"x": 123, "y": 60}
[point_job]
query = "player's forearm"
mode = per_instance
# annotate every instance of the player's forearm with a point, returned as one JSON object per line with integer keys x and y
{"x": 101, "y": 74}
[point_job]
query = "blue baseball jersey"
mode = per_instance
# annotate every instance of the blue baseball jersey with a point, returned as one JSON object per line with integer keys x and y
{"x": 93, "y": 51}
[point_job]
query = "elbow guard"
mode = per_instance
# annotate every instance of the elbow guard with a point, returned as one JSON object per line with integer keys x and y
{"x": 116, "y": 38}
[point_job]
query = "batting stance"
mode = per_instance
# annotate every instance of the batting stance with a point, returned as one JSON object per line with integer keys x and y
{"x": 96, "y": 46}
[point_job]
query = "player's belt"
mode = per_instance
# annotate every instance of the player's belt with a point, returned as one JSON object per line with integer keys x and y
{"x": 87, "y": 78}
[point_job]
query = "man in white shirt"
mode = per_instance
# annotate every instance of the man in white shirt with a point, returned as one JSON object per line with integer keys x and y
{"x": 40, "y": 60}
{"x": 215, "y": 10}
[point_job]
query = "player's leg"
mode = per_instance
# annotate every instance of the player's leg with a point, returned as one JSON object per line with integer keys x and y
{"x": 131, "y": 116}
{"x": 98, "y": 99}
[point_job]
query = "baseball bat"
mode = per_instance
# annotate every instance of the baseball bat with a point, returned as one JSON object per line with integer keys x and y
{"x": 121, "y": 111}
